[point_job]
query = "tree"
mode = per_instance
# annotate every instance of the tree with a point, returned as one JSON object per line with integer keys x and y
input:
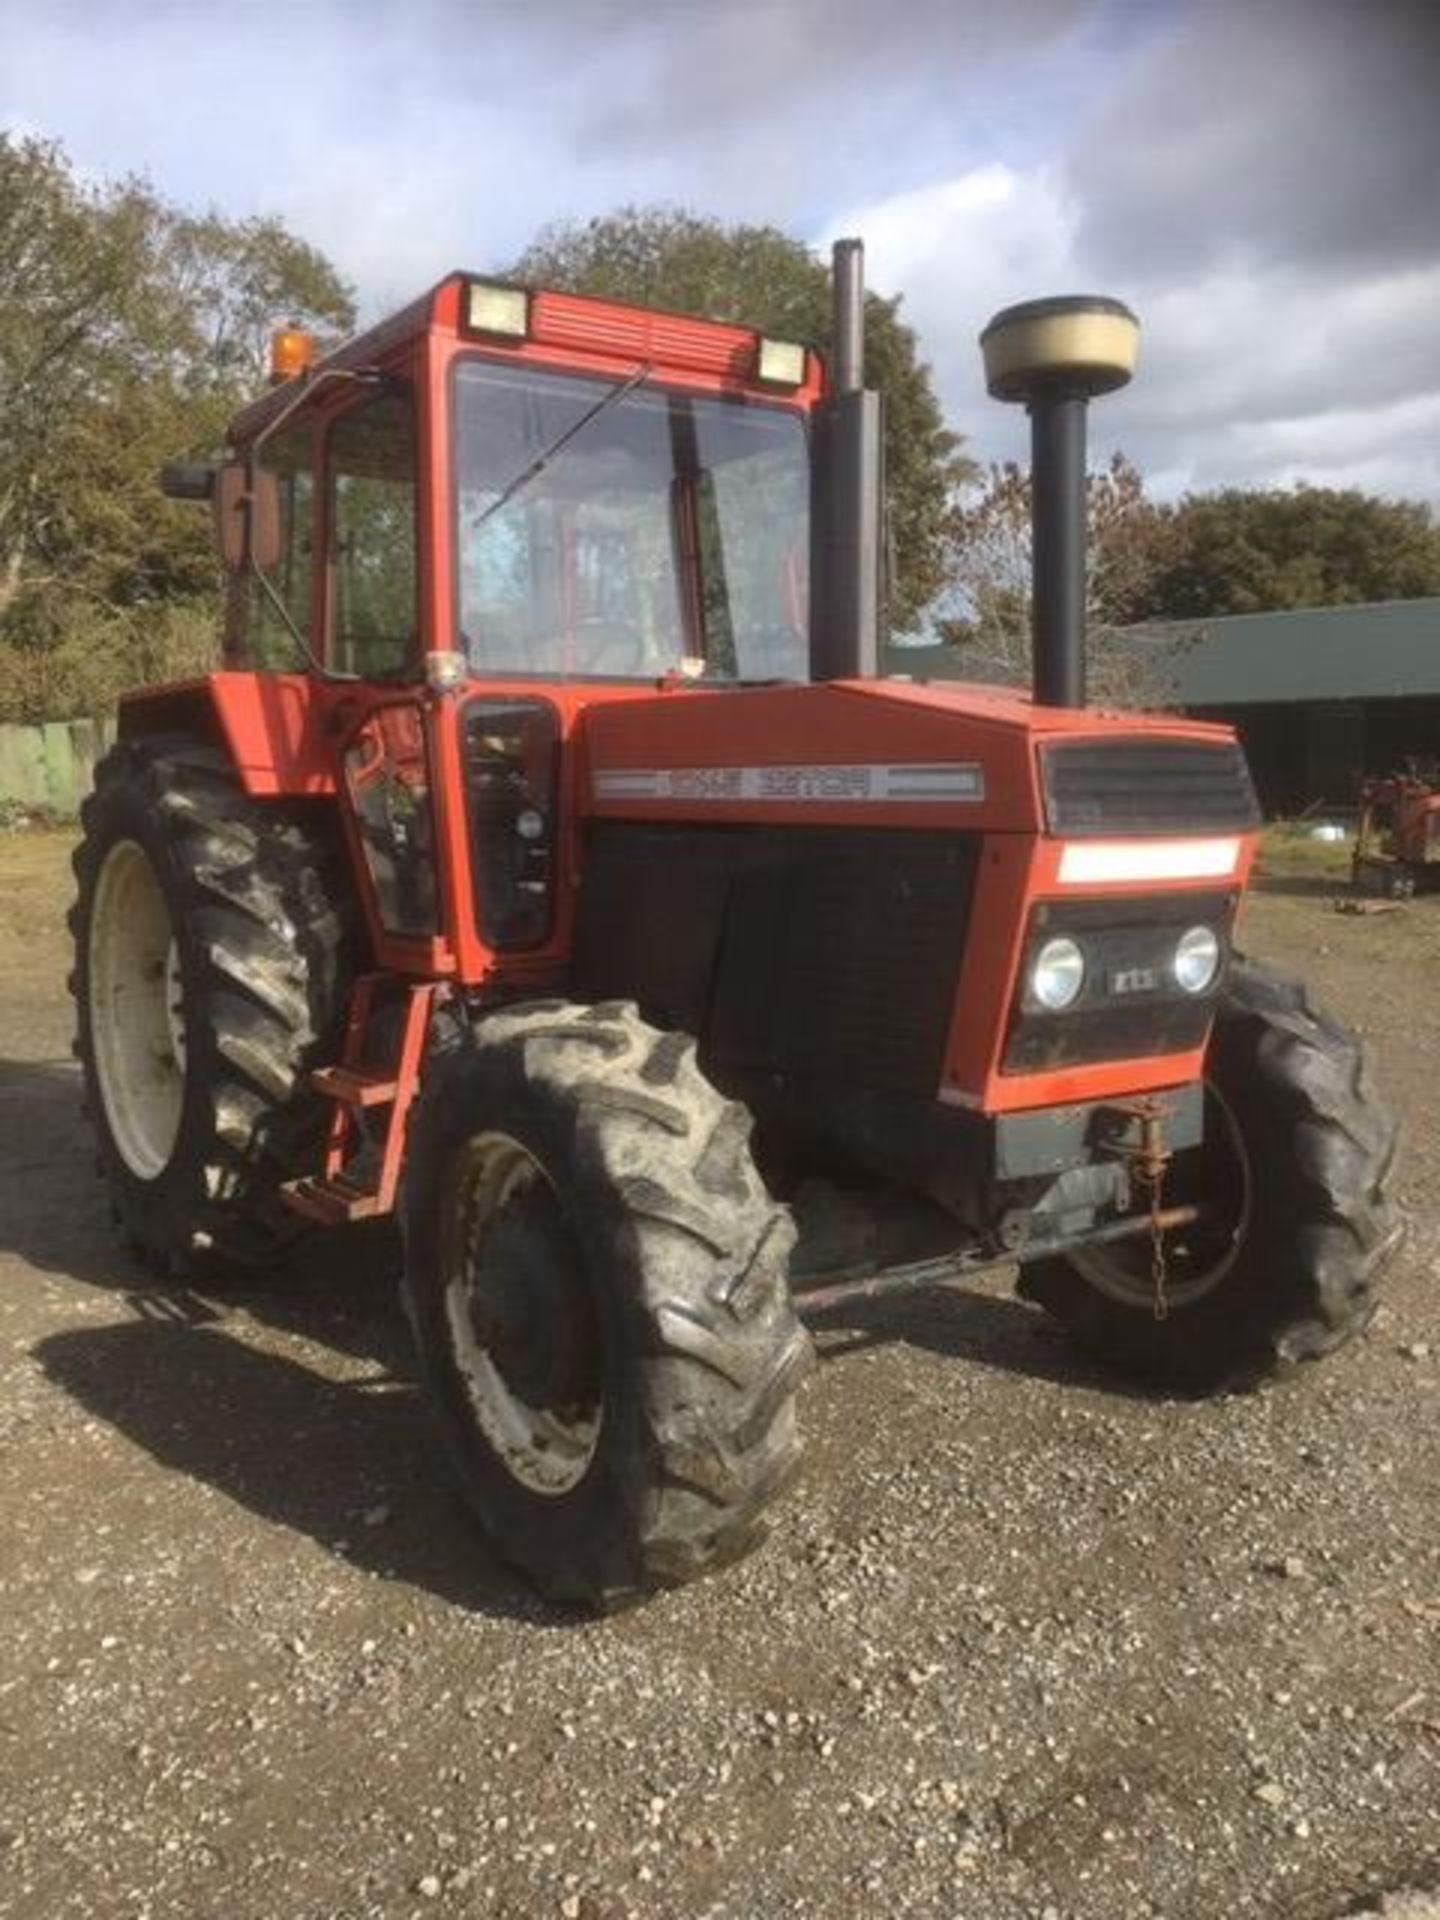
{"x": 1250, "y": 551}
{"x": 990, "y": 541}
{"x": 129, "y": 332}
{"x": 987, "y": 612}
{"x": 760, "y": 277}
{"x": 236, "y": 282}
{"x": 67, "y": 286}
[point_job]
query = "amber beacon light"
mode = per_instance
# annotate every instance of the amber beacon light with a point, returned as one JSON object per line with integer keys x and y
{"x": 292, "y": 352}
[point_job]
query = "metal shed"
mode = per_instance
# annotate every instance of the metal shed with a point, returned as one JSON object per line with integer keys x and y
{"x": 1319, "y": 695}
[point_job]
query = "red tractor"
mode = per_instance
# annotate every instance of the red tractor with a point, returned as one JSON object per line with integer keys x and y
{"x": 1397, "y": 841}
{"x": 549, "y": 865}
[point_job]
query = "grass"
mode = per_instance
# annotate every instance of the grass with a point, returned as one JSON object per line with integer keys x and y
{"x": 1289, "y": 850}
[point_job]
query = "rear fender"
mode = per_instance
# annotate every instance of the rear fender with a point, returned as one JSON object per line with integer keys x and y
{"x": 270, "y": 724}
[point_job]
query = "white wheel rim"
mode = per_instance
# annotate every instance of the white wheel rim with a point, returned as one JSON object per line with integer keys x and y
{"x": 137, "y": 1018}
{"x": 549, "y": 1451}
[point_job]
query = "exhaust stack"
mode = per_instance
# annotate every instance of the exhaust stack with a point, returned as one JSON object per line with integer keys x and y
{"x": 1055, "y": 355}
{"x": 847, "y": 327}
{"x": 847, "y": 519}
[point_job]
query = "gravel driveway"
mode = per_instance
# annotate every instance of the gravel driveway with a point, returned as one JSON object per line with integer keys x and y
{"x": 1022, "y": 1645}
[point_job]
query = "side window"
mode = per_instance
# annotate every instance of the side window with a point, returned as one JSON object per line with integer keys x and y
{"x": 374, "y": 614}
{"x": 257, "y": 627}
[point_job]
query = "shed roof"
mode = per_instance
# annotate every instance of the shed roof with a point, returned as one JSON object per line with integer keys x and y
{"x": 1381, "y": 651}
{"x": 1385, "y": 650}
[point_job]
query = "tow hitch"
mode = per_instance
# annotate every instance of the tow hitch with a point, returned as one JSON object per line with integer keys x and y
{"x": 955, "y": 1269}
{"x": 1138, "y": 1142}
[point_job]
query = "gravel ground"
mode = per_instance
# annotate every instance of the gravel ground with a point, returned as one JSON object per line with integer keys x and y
{"x": 1023, "y": 1645}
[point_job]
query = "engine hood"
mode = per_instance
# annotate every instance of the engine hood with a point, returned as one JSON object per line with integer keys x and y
{"x": 858, "y": 752}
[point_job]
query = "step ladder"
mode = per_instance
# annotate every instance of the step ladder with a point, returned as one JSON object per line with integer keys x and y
{"x": 332, "y": 1197}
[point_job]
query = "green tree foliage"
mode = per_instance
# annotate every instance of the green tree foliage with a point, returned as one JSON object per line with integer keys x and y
{"x": 129, "y": 332}
{"x": 760, "y": 277}
{"x": 1250, "y": 551}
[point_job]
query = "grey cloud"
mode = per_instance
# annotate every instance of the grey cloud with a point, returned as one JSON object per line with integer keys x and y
{"x": 1389, "y": 451}
{"x": 1286, "y": 345}
{"x": 1287, "y": 376}
{"x": 1293, "y": 129}
{"x": 1259, "y": 179}
{"x": 700, "y": 70}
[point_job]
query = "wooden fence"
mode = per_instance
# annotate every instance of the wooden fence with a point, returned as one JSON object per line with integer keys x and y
{"x": 50, "y": 767}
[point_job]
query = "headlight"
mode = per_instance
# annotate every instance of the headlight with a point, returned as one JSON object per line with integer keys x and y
{"x": 1058, "y": 973}
{"x": 1197, "y": 959}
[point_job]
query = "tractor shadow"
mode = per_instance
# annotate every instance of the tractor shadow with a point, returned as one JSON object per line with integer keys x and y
{"x": 350, "y": 1464}
{"x": 55, "y": 1215}
{"x": 981, "y": 1329}
{"x": 293, "y": 1394}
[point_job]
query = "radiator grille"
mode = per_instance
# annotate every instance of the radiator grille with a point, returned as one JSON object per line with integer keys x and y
{"x": 794, "y": 951}
{"x": 1147, "y": 786}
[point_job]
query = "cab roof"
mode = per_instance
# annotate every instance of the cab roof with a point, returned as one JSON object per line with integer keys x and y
{"x": 582, "y": 326}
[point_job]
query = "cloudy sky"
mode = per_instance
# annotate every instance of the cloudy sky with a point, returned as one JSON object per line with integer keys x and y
{"x": 1259, "y": 178}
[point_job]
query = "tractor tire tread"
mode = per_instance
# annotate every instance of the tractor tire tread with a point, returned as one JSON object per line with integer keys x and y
{"x": 258, "y": 888}
{"x": 1334, "y": 1148}
{"x": 706, "y": 1276}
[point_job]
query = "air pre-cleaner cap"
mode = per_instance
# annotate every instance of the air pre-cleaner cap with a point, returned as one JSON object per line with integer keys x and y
{"x": 1083, "y": 342}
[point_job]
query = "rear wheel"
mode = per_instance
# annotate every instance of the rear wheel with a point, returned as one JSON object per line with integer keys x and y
{"x": 597, "y": 1280}
{"x": 1293, "y": 1178}
{"x": 210, "y": 967}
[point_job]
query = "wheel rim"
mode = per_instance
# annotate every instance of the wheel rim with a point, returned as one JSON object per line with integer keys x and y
{"x": 137, "y": 1014}
{"x": 521, "y": 1317}
{"x": 1215, "y": 1176}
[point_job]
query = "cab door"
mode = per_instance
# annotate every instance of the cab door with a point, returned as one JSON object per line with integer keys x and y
{"x": 386, "y": 762}
{"x": 384, "y": 723}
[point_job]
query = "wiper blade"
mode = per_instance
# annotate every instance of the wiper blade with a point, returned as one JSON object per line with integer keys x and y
{"x": 542, "y": 459}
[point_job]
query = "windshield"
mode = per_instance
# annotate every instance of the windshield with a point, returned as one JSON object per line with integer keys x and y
{"x": 670, "y": 534}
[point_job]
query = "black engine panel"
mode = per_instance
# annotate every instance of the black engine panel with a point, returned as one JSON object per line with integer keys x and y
{"x": 810, "y": 953}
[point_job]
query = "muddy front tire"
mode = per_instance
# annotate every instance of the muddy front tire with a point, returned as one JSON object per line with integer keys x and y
{"x": 597, "y": 1280}
{"x": 1297, "y": 1162}
{"x": 210, "y": 972}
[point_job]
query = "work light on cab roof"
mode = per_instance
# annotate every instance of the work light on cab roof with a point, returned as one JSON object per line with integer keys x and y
{"x": 500, "y": 311}
{"x": 553, "y": 821}
{"x": 496, "y": 310}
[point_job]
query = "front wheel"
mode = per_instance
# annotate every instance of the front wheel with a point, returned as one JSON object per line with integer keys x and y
{"x": 597, "y": 1280}
{"x": 1293, "y": 1183}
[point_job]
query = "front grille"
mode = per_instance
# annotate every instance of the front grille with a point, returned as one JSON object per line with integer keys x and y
{"x": 1147, "y": 786}
{"x": 1129, "y": 1007}
{"x": 793, "y": 951}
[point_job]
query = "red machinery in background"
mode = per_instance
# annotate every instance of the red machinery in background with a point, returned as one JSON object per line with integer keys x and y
{"x": 1397, "y": 841}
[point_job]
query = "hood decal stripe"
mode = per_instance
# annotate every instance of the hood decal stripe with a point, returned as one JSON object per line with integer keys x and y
{"x": 792, "y": 784}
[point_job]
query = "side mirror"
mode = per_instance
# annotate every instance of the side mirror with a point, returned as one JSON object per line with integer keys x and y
{"x": 247, "y": 515}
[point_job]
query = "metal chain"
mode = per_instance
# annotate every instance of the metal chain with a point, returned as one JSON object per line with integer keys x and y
{"x": 1159, "y": 1273}
{"x": 1150, "y": 1162}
